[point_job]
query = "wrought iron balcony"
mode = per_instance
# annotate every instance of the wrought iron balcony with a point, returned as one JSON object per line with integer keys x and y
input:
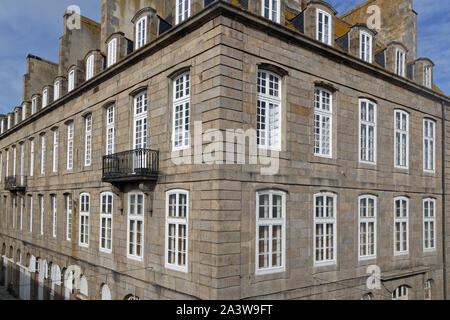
{"x": 16, "y": 183}
{"x": 131, "y": 166}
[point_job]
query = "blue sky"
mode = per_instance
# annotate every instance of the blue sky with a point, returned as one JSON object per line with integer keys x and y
{"x": 30, "y": 26}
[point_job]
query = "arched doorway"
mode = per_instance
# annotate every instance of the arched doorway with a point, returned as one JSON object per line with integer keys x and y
{"x": 55, "y": 280}
{"x": 43, "y": 274}
{"x": 106, "y": 293}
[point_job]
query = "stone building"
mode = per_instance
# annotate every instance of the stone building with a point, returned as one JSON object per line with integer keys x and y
{"x": 190, "y": 149}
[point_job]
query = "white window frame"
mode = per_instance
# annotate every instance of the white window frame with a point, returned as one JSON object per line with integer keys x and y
{"x": 55, "y": 149}
{"x": 141, "y": 32}
{"x": 43, "y": 147}
{"x": 367, "y": 123}
{"x": 140, "y": 102}
{"x": 54, "y": 214}
{"x": 24, "y": 111}
{"x": 324, "y": 221}
{"x": 402, "y": 132}
{"x": 90, "y": 67}
{"x": 1, "y": 166}
{"x": 56, "y": 90}
{"x": 41, "y": 202}
{"x": 70, "y": 134}
{"x": 269, "y": 106}
{"x": 365, "y": 219}
{"x": 185, "y": 7}
{"x": 84, "y": 221}
{"x": 44, "y": 98}
{"x": 34, "y": 105}
{"x": 178, "y": 221}
{"x": 429, "y": 219}
{"x": 7, "y": 163}
{"x": 400, "y": 293}
{"x": 69, "y": 204}
{"x": 110, "y": 134}
{"x": 270, "y": 222}
{"x": 400, "y": 62}
{"x": 429, "y": 145}
{"x": 21, "y": 213}
{"x": 181, "y": 112}
{"x": 88, "y": 140}
{"x": 321, "y": 113}
{"x": 427, "y": 76}
{"x": 14, "y": 160}
{"x": 135, "y": 217}
{"x": 30, "y": 210}
{"x": 404, "y": 225}
{"x": 71, "y": 81}
{"x": 325, "y": 37}
{"x": 272, "y": 13}
{"x": 365, "y": 40}
{"x": 22, "y": 163}
{"x": 31, "y": 158}
{"x": 16, "y": 117}
{"x": 112, "y": 52}
{"x": 106, "y": 215}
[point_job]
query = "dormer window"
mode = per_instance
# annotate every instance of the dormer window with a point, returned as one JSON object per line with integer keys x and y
{"x": 90, "y": 67}
{"x": 141, "y": 32}
{"x": 2, "y": 126}
{"x": 400, "y": 62}
{"x": 9, "y": 122}
{"x": 323, "y": 26}
{"x": 33, "y": 105}
{"x": 112, "y": 52}
{"x": 24, "y": 111}
{"x": 71, "y": 84}
{"x": 44, "y": 98}
{"x": 427, "y": 76}
{"x": 365, "y": 46}
{"x": 271, "y": 9}
{"x": 184, "y": 10}
{"x": 56, "y": 90}
{"x": 16, "y": 117}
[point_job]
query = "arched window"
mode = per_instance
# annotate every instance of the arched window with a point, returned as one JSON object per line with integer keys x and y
{"x": 68, "y": 284}
{"x": 325, "y": 228}
{"x": 106, "y": 293}
{"x": 84, "y": 219}
{"x": 367, "y": 296}
{"x": 84, "y": 286}
{"x": 141, "y": 32}
{"x": 55, "y": 279}
{"x": 400, "y": 293}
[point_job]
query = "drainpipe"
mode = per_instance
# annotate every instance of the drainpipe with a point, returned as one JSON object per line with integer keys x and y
{"x": 443, "y": 152}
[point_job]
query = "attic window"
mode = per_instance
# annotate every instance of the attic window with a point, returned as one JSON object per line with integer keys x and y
{"x": 323, "y": 27}
{"x": 71, "y": 84}
{"x": 141, "y": 32}
{"x": 365, "y": 46}
{"x": 184, "y": 10}
{"x": 44, "y": 98}
{"x": 24, "y": 111}
{"x": 400, "y": 62}
{"x": 90, "y": 67}
{"x": 56, "y": 90}
{"x": 271, "y": 10}
{"x": 427, "y": 76}
{"x": 112, "y": 52}
{"x": 33, "y": 105}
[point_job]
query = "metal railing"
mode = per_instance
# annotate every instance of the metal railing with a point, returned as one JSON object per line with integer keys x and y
{"x": 15, "y": 182}
{"x": 133, "y": 163}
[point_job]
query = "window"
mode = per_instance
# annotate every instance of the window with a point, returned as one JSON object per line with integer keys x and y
{"x": 90, "y": 67}
{"x": 401, "y": 237}
{"x": 367, "y": 131}
{"x": 181, "y": 112}
{"x": 16, "y": 117}
{"x": 400, "y": 63}
{"x": 21, "y": 214}
{"x": 106, "y": 216}
{"x": 429, "y": 224}
{"x": 55, "y": 150}
{"x": 70, "y": 146}
{"x": 141, "y": 32}
{"x": 269, "y": 110}
{"x": 270, "y": 232}
{"x": 367, "y": 227}
{"x": 7, "y": 163}
{"x": 324, "y": 228}
{"x": 177, "y": 215}
{"x": 183, "y": 10}
{"x": 271, "y": 9}
{"x": 2, "y": 125}
{"x": 427, "y": 76}
{"x": 31, "y": 158}
{"x": 84, "y": 220}
{"x": 56, "y": 90}
{"x": 110, "y": 130}
{"x": 24, "y": 111}
{"x": 400, "y": 293}
{"x": 43, "y": 154}
{"x": 44, "y": 98}
{"x": 112, "y": 52}
{"x": 366, "y": 46}
{"x": 401, "y": 139}
{"x": 53, "y": 202}
{"x": 1, "y": 166}
{"x": 427, "y": 290}
{"x": 34, "y": 105}
{"x": 135, "y": 226}
{"x": 428, "y": 145}
{"x": 71, "y": 84}
{"x": 14, "y": 205}
{"x": 41, "y": 209}
{"x": 88, "y": 141}
{"x": 68, "y": 217}
{"x": 22, "y": 164}
{"x": 30, "y": 211}
{"x": 322, "y": 123}
{"x": 323, "y": 27}
{"x": 14, "y": 160}
{"x": 140, "y": 121}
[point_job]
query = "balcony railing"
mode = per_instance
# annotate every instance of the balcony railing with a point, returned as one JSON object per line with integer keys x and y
{"x": 16, "y": 183}
{"x": 132, "y": 165}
